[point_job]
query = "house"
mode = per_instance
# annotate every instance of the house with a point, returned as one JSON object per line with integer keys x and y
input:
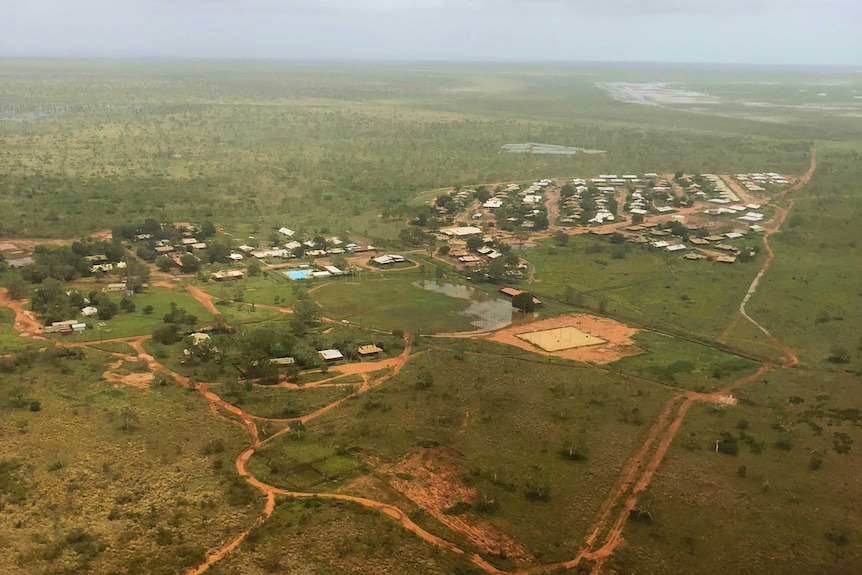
{"x": 188, "y": 241}
{"x": 283, "y": 361}
{"x": 286, "y": 232}
{"x": 235, "y": 257}
{"x": 199, "y": 246}
{"x": 492, "y": 204}
{"x": 227, "y": 275}
{"x": 387, "y": 259}
{"x": 726, "y": 259}
{"x": 330, "y": 354}
{"x": 676, "y": 248}
{"x": 693, "y": 256}
{"x": 333, "y": 270}
{"x": 369, "y": 350}
{"x": 78, "y": 327}
{"x": 512, "y": 292}
{"x": 461, "y": 231}
{"x": 121, "y": 286}
{"x": 89, "y": 311}
{"x": 199, "y": 337}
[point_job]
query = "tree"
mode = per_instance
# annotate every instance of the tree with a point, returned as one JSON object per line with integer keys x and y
{"x": 443, "y": 250}
{"x": 838, "y": 354}
{"x": 474, "y": 243}
{"x": 637, "y": 219}
{"x": 164, "y": 263}
{"x": 107, "y": 307}
{"x": 573, "y": 297}
{"x": 561, "y": 239}
{"x": 128, "y": 418}
{"x": 207, "y": 230}
{"x": 540, "y": 222}
{"x": 523, "y": 302}
{"x": 16, "y": 286}
{"x": 190, "y": 263}
{"x": 424, "y": 379}
{"x": 497, "y": 269}
{"x": 166, "y": 334}
{"x": 127, "y": 305}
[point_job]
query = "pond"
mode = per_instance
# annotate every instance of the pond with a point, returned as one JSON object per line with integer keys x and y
{"x": 486, "y": 311}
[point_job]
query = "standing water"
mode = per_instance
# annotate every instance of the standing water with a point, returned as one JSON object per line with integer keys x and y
{"x": 487, "y": 312}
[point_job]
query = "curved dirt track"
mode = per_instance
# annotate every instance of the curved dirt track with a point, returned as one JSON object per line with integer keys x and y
{"x": 26, "y": 323}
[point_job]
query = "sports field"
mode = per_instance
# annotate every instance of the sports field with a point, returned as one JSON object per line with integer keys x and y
{"x": 567, "y": 337}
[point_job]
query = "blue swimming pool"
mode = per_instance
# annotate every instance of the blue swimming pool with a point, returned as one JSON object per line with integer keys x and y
{"x": 298, "y": 274}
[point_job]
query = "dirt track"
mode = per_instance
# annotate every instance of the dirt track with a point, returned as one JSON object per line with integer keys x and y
{"x": 26, "y": 323}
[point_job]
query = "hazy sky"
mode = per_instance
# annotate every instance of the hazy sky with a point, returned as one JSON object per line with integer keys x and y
{"x": 736, "y": 31}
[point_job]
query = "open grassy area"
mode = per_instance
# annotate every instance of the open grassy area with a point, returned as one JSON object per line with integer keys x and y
{"x": 281, "y": 403}
{"x": 683, "y": 364}
{"x": 510, "y": 423}
{"x": 393, "y": 303}
{"x": 320, "y": 536}
{"x": 138, "y": 322}
{"x": 786, "y": 499}
{"x": 10, "y": 339}
{"x": 272, "y": 289}
{"x": 89, "y": 495}
{"x": 649, "y": 286}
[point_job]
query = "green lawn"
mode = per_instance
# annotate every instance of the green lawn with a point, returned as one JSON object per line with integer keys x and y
{"x": 139, "y": 323}
{"x": 648, "y": 285}
{"x": 509, "y": 416}
{"x": 281, "y": 403}
{"x": 274, "y": 289}
{"x": 10, "y": 339}
{"x": 393, "y": 303}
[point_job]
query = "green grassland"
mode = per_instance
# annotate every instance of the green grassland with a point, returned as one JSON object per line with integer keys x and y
{"x": 648, "y": 286}
{"x": 785, "y": 512}
{"x": 138, "y": 322}
{"x": 683, "y": 364}
{"x": 510, "y": 423}
{"x": 87, "y": 495}
{"x": 271, "y": 289}
{"x": 319, "y": 537}
{"x": 393, "y": 303}
{"x": 10, "y": 339}
{"x": 281, "y": 403}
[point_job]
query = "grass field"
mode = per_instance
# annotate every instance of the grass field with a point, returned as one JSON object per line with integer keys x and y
{"x": 648, "y": 286}
{"x": 95, "y": 497}
{"x": 10, "y": 340}
{"x": 510, "y": 425}
{"x": 780, "y": 499}
{"x": 393, "y": 303}
{"x": 140, "y": 323}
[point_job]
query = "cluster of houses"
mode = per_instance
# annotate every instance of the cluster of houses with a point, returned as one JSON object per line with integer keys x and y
{"x": 332, "y": 355}
{"x": 601, "y": 190}
{"x": 65, "y": 327}
{"x": 521, "y": 206}
{"x": 664, "y": 239}
{"x": 755, "y": 182}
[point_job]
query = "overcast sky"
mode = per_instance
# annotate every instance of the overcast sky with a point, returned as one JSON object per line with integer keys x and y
{"x": 808, "y": 32}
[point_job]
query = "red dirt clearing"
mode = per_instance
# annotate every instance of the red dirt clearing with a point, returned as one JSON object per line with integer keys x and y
{"x": 618, "y": 336}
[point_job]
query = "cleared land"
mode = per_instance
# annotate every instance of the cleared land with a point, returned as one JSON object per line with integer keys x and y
{"x": 602, "y": 340}
{"x": 560, "y": 338}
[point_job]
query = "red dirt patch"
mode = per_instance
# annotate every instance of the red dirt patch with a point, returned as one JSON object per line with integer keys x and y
{"x": 618, "y": 336}
{"x": 429, "y": 479}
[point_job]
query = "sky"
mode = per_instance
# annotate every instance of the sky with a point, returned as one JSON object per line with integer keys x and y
{"x": 782, "y": 32}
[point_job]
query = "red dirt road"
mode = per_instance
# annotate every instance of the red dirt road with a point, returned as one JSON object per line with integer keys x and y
{"x": 26, "y": 323}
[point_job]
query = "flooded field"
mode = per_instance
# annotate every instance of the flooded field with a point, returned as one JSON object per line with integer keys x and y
{"x": 486, "y": 312}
